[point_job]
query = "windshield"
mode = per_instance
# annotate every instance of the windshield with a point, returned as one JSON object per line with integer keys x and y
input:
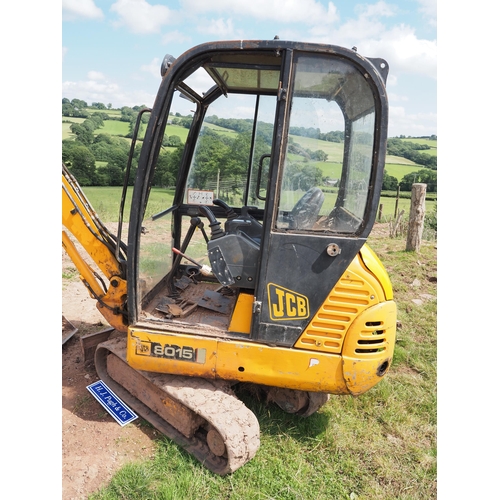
{"x": 226, "y": 157}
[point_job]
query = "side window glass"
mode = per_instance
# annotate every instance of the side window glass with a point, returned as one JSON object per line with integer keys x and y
{"x": 327, "y": 169}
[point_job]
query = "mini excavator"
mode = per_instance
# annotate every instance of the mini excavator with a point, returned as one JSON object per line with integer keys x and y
{"x": 257, "y": 271}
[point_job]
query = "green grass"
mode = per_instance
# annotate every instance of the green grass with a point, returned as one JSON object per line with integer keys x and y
{"x": 428, "y": 142}
{"x": 389, "y": 206}
{"x": 399, "y": 170}
{"x": 222, "y": 130}
{"x": 106, "y": 201}
{"x": 181, "y": 132}
{"x": 114, "y": 127}
{"x": 334, "y": 150}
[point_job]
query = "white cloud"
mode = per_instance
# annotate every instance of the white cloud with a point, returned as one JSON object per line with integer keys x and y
{"x": 64, "y": 51}
{"x": 175, "y": 37}
{"x": 416, "y": 124}
{"x": 153, "y": 68}
{"x": 95, "y": 75}
{"x": 397, "y": 97}
{"x": 282, "y": 11}
{"x": 220, "y": 28}
{"x": 106, "y": 92}
{"x": 405, "y": 52}
{"x": 379, "y": 9}
{"x": 141, "y": 17}
{"x": 91, "y": 90}
{"x": 429, "y": 10}
{"x": 399, "y": 44}
{"x": 80, "y": 9}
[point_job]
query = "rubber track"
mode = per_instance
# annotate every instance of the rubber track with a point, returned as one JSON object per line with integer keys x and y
{"x": 213, "y": 400}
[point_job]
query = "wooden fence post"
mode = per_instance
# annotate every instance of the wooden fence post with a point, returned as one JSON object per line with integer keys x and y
{"x": 397, "y": 202}
{"x": 380, "y": 211}
{"x": 417, "y": 214}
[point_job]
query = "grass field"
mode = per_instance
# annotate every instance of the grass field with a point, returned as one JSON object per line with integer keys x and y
{"x": 106, "y": 200}
{"x": 181, "y": 132}
{"x": 431, "y": 143}
{"x": 396, "y": 166}
{"x": 399, "y": 170}
{"x": 114, "y": 127}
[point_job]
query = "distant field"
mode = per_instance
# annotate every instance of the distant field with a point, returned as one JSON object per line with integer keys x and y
{"x": 334, "y": 150}
{"x": 105, "y": 201}
{"x": 222, "y": 130}
{"x": 395, "y": 166}
{"x": 399, "y": 171}
{"x": 389, "y": 206}
{"x": 114, "y": 127}
{"x": 181, "y": 132}
{"x": 427, "y": 142}
{"x": 399, "y": 160}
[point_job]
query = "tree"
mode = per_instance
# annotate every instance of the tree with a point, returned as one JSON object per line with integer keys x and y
{"x": 302, "y": 176}
{"x": 423, "y": 176}
{"x": 82, "y": 165}
{"x": 411, "y": 151}
{"x": 67, "y": 109}
{"x": 83, "y": 134}
{"x": 389, "y": 183}
{"x": 174, "y": 141}
{"x": 211, "y": 156}
{"x": 319, "y": 155}
{"x": 79, "y": 104}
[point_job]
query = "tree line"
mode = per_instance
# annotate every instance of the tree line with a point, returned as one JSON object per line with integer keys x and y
{"x": 424, "y": 175}
{"x": 89, "y": 146}
{"x": 411, "y": 151}
{"x": 215, "y": 152}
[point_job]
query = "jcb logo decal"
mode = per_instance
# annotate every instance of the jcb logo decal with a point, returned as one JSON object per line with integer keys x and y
{"x": 285, "y": 304}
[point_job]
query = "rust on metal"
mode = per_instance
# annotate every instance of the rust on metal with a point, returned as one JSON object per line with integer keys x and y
{"x": 215, "y": 302}
{"x": 68, "y": 330}
{"x": 89, "y": 342}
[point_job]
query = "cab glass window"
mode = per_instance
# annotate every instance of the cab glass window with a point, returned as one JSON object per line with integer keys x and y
{"x": 328, "y": 165}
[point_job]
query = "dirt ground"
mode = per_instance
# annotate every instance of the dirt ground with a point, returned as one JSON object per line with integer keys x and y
{"x": 94, "y": 445}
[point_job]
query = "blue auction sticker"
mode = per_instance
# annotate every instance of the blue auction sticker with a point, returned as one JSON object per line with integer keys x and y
{"x": 112, "y": 403}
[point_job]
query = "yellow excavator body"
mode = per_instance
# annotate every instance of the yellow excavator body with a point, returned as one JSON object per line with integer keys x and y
{"x": 282, "y": 293}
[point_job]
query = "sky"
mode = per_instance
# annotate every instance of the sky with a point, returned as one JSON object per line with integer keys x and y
{"x": 112, "y": 50}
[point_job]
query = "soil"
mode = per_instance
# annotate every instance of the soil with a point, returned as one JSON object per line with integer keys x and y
{"x": 94, "y": 445}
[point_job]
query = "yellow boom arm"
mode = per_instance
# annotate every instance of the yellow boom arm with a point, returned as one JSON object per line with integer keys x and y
{"x": 80, "y": 219}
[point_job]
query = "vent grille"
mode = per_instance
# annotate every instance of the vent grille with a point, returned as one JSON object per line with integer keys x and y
{"x": 371, "y": 339}
{"x": 327, "y": 330}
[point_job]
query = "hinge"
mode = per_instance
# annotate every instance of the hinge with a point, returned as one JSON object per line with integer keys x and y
{"x": 281, "y": 92}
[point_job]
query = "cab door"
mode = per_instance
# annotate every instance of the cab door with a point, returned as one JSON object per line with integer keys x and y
{"x": 324, "y": 188}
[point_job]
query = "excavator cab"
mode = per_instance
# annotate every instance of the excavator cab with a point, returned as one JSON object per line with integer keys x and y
{"x": 257, "y": 270}
{"x": 276, "y": 218}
